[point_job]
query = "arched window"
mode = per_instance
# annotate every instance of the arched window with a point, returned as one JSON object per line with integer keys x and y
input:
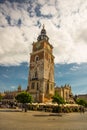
{"x": 32, "y": 85}
{"x": 36, "y": 58}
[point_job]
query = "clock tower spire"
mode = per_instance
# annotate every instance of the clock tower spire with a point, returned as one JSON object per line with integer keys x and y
{"x": 43, "y": 35}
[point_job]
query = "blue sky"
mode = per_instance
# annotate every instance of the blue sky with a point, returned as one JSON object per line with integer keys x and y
{"x": 12, "y": 76}
{"x": 20, "y": 25}
{"x": 72, "y": 74}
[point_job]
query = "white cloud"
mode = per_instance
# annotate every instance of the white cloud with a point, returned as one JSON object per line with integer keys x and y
{"x": 45, "y": 10}
{"x": 13, "y": 87}
{"x": 74, "y": 68}
{"x": 67, "y": 30}
{"x": 6, "y": 76}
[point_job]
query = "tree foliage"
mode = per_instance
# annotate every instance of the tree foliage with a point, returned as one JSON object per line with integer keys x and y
{"x": 0, "y": 97}
{"x": 58, "y": 99}
{"x": 81, "y": 102}
{"x": 24, "y": 97}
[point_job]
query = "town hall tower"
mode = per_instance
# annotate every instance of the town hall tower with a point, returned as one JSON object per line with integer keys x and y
{"x": 41, "y": 72}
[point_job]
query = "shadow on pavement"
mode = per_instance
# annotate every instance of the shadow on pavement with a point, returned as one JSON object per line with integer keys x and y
{"x": 10, "y": 110}
{"x": 45, "y": 115}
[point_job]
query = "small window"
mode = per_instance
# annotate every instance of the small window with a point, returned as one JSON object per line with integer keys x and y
{"x": 51, "y": 87}
{"x": 32, "y": 85}
{"x": 36, "y": 58}
{"x": 37, "y": 86}
{"x": 36, "y": 75}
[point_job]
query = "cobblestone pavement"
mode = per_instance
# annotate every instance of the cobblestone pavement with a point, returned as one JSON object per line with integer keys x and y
{"x": 32, "y": 120}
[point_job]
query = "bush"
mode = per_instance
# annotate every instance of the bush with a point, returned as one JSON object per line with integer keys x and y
{"x": 57, "y": 109}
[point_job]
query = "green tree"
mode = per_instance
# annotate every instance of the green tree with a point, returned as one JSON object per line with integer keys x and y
{"x": 24, "y": 98}
{"x": 58, "y": 99}
{"x": 0, "y": 97}
{"x": 81, "y": 102}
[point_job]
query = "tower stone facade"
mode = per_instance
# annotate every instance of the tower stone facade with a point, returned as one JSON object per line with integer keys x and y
{"x": 41, "y": 73}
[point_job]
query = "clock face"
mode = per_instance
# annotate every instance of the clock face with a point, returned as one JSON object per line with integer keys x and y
{"x": 37, "y": 45}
